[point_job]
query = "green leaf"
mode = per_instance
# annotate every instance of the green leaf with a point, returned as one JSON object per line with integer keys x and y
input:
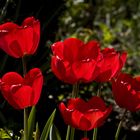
{"x": 54, "y": 133}
{"x": 47, "y": 127}
{"x": 37, "y": 132}
{"x": 31, "y": 123}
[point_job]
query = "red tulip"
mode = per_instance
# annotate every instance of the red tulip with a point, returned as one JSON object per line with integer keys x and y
{"x": 18, "y": 41}
{"x": 126, "y": 91}
{"x": 74, "y": 61}
{"x": 22, "y": 92}
{"x": 110, "y": 64}
{"x": 85, "y": 115}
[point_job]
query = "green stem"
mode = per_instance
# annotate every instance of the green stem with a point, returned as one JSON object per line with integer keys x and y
{"x": 75, "y": 90}
{"x": 71, "y": 130}
{"x": 72, "y": 133}
{"x": 95, "y": 134}
{"x": 25, "y": 124}
{"x": 96, "y": 129}
{"x": 85, "y": 134}
{"x": 25, "y": 109}
{"x": 120, "y": 126}
{"x": 99, "y": 89}
{"x": 68, "y": 132}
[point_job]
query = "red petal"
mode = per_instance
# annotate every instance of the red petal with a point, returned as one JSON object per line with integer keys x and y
{"x": 72, "y": 49}
{"x": 34, "y": 78}
{"x": 57, "y": 49}
{"x": 125, "y": 91}
{"x": 108, "y": 66}
{"x": 84, "y": 70}
{"x": 35, "y": 24}
{"x": 90, "y": 50}
{"x": 76, "y": 117}
{"x": 97, "y": 103}
{"x": 28, "y": 21}
{"x": 22, "y": 97}
{"x": 7, "y": 27}
{"x": 66, "y": 113}
{"x": 12, "y": 78}
{"x": 97, "y": 117}
{"x": 58, "y": 68}
{"x": 76, "y": 103}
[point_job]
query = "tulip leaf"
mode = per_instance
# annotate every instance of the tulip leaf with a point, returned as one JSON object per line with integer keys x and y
{"x": 31, "y": 123}
{"x": 54, "y": 133}
{"x": 47, "y": 127}
{"x": 37, "y": 132}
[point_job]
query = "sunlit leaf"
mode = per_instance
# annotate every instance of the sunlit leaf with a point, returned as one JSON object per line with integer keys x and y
{"x": 47, "y": 127}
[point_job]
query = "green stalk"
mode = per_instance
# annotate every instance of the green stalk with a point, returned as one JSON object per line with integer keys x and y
{"x": 95, "y": 134}
{"x": 96, "y": 129}
{"x": 120, "y": 126}
{"x": 25, "y": 109}
{"x": 25, "y": 124}
{"x": 72, "y": 133}
{"x": 75, "y": 90}
{"x": 71, "y": 130}
{"x": 68, "y": 132}
{"x": 85, "y": 134}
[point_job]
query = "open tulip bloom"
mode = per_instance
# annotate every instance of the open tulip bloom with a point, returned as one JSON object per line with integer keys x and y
{"x": 126, "y": 91}
{"x": 73, "y": 61}
{"x": 85, "y": 115}
{"x": 18, "y": 41}
{"x": 109, "y": 65}
{"x": 22, "y": 92}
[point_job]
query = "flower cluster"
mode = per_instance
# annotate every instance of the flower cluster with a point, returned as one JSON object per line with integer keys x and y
{"x": 73, "y": 62}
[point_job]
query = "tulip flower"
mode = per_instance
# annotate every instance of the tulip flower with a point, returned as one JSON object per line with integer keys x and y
{"x": 73, "y": 61}
{"x": 126, "y": 91}
{"x": 110, "y": 64}
{"x": 22, "y": 92}
{"x": 18, "y": 41}
{"x": 85, "y": 115}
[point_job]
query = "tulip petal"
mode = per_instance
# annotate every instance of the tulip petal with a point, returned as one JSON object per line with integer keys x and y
{"x": 90, "y": 50}
{"x": 72, "y": 49}
{"x": 57, "y": 49}
{"x": 125, "y": 90}
{"x": 34, "y": 78}
{"x": 84, "y": 70}
{"x": 66, "y": 113}
{"x": 12, "y": 78}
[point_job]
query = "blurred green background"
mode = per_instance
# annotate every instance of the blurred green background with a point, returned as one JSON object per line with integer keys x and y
{"x": 115, "y": 23}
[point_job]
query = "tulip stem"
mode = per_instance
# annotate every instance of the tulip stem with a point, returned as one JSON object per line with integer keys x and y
{"x": 99, "y": 89}
{"x": 24, "y": 65}
{"x": 75, "y": 90}
{"x": 25, "y": 109}
{"x": 71, "y": 130}
{"x": 95, "y": 134}
{"x": 25, "y": 124}
{"x": 96, "y": 129}
{"x": 120, "y": 126}
{"x": 72, "y": 133}
{"x": 68, "y": 132}
{"x": 85, "y": 134}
